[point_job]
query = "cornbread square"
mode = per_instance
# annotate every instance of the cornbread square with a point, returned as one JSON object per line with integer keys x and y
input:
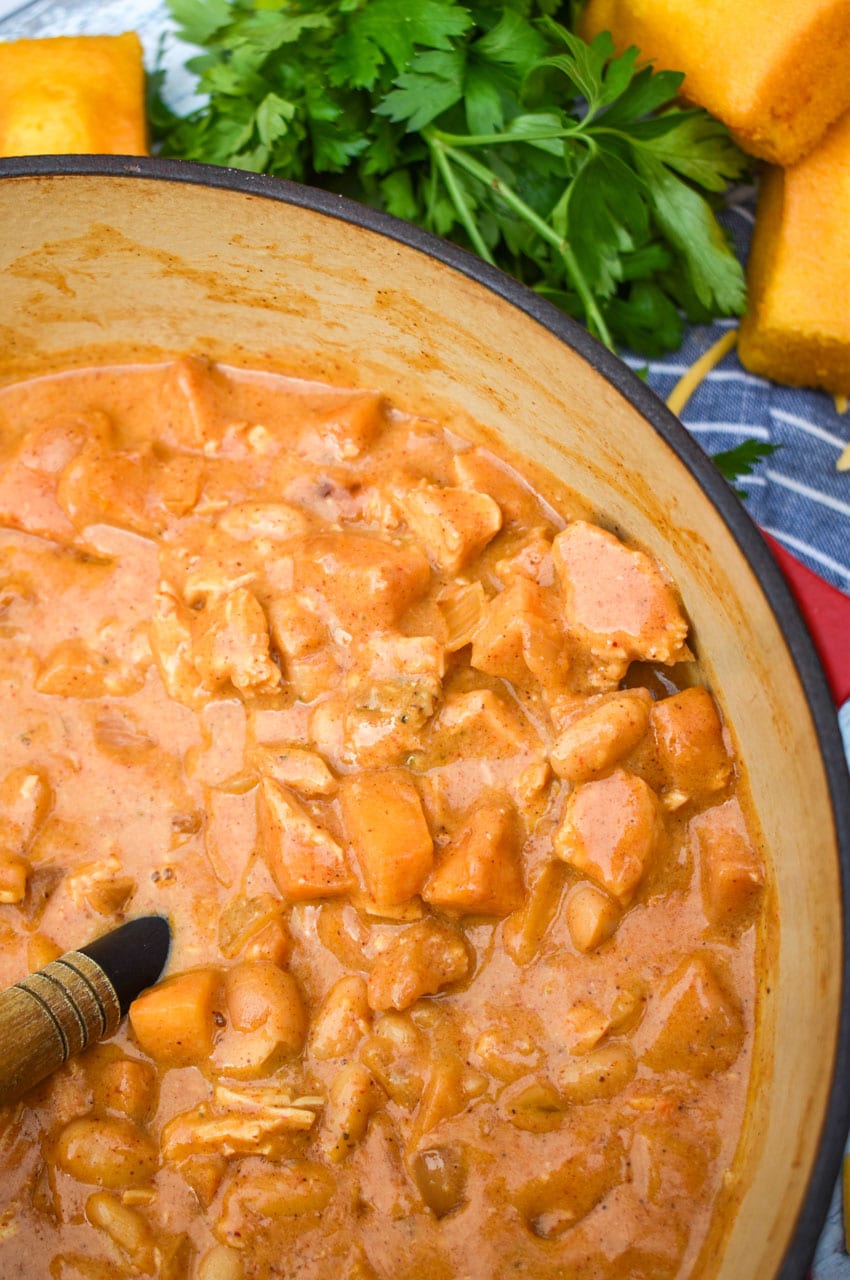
{"x": 775, "y": 71}
{"x": 797, "y": 329}
{"x": 73, "y": 94}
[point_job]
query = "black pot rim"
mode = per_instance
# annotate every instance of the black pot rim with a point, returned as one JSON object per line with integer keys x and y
{"x": 746, "y": 534}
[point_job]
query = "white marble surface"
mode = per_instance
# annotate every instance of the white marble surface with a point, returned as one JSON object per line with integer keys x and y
{"x": 149, "y": 18}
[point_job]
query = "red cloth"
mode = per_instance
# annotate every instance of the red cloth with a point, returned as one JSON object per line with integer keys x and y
{"x": 827, "y": 613}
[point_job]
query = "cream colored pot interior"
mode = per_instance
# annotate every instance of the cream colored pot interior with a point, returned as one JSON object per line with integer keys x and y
{"x": 129, "y": 269}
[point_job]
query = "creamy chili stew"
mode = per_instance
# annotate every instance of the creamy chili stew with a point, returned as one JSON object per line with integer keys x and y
{"x": 452, "y": 840}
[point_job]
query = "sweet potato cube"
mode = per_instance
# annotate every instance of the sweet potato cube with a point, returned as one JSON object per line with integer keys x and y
{"x": 610, "y": 831}
{"x": 383, "y": 816}
{"x": 366, "y": 583}
{"x": 731, "y": 873}
{"x": 518, "y": 637}
{"x": 173, "y": 1022}
{"x": 797, "y": 329}
{"x": 774, "y": 71}
{"x": 304, "y": 859}
{"x": 689, "y": 742}
{"x": 454, "y": 524}
{"x": 480, "y": 874}
{"x": 72, "y": 94}
{"x": 692, "y": 1024}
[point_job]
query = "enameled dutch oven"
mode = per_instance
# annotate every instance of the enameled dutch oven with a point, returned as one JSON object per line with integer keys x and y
{"x": 108, "y": 259}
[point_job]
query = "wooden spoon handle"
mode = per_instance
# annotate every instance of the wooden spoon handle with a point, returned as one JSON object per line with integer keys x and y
{"x": 75, "y": 1001}
{"x": 49, "y": 1016}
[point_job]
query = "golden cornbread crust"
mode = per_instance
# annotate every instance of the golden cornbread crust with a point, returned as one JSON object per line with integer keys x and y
{"x": 73, "y": 95}
{"x": 774, "y": 71}
{"x": 798, "y": 326}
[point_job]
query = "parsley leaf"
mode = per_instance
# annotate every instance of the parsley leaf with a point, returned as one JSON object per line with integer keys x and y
{"x": 198, "y": 20}
{"x": 742, "y": 460}
{"x": 393, "y": 29}
{"x": 432, "y": 85}
{"x": 496, "y": 125}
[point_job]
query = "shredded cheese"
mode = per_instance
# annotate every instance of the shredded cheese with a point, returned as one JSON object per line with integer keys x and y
{"x": 699, "y": 370}
{"x": 841, "y": 403}
{"x": 843, "y": 463}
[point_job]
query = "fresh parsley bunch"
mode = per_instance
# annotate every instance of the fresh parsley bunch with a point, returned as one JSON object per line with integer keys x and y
{"x": 491, "y": 124}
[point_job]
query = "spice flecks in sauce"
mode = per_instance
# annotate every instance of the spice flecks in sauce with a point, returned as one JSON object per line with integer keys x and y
{"x": 464, "y": 966}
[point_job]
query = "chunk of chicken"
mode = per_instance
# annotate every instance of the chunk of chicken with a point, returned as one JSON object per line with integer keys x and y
{"x": 480, "y": 724}
{"x": 29, "y": 475}
{"x": 192, "y": 397}
{"x": 454, "y": 525}
{"x": 479, "y": 470}
{"x": 138, "y": 490}
{"x": 531, "y": 559}
{"x": 420, "y": 961}
{"x": 399, "y": 679}
{"x": 270, "y": 522}
{"x": 304, "y": 859}
{"x": 294, "y": 767}
{"x": 343, "y": 1019}
{"x": 609, "y": 832}
{"x": 342, "y": 428}
{"x": 616, "y": 601}
{"x": 602, "y": 732}
{"x": 231, "y": 644}
{"x": 480, "y": 873}
{"x": 302, "y": 641}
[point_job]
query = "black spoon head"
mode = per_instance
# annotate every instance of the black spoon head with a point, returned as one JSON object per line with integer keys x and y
{"x": 132, "y": 956}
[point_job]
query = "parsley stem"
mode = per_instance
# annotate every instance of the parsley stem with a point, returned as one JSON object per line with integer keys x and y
{"x": 547, "y": 233}
{"x": 488, "y": 139}
{"x": 458, "y": 199}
